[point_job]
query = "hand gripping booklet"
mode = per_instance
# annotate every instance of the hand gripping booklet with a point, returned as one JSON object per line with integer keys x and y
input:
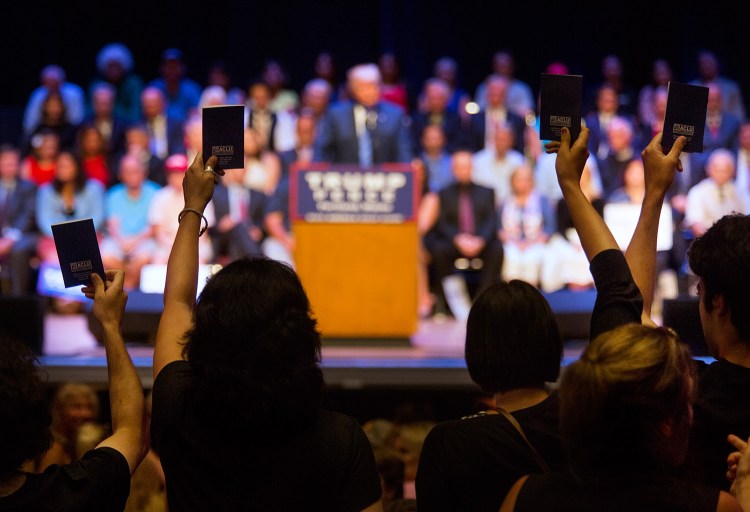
{"x": 560, "y": 105}
{"x": 78, "y": 251}
{"x": 686, "y": 115}
{"x": 224, "y": 135}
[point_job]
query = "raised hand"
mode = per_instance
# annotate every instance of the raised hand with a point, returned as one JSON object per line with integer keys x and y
{"x": 659, "y": 169}
{"x": 109, "y": 297}
{"x": 199, "y": 181}
{"x": 570, "y": 159}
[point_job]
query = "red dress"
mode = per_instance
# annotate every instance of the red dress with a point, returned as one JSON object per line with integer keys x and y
{"x": 96, "y": 168}
{"x": 40, "y": 174}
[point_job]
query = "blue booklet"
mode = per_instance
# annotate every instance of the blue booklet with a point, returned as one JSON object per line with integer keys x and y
{"x": 559, "y": 105}
{"x": 224, "y": 135}
{"x": 686, "y": 115}
{"x": 78, "y": 251}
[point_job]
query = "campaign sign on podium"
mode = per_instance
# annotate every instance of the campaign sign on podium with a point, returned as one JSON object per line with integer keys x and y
{"x": 357, "y": 247}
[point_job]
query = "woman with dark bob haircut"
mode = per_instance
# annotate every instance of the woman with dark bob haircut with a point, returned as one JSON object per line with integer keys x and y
{"x": 236, "y": 418}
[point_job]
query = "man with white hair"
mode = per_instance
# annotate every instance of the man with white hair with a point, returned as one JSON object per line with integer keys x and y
{"x": 52, "y": 79}
{"x": 364, "y": 130}
{"x": 715, "y": 196}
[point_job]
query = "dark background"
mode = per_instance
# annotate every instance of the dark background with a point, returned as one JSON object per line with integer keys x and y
{"x": 245, "y": 33}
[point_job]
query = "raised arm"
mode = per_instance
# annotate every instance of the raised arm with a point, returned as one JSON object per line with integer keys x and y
{"x": 659, "y": 170}
{"x": 182, "y": 268}
{"x": 125, "y": 392}
{"x": 593, "y": 232}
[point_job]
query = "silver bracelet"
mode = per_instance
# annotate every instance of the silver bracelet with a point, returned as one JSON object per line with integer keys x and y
{"x": 205, "y": 221}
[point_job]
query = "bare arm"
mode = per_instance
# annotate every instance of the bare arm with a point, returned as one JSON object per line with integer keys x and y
{"x": 127, "y": 404}
{"x": 593, "y": 232}
{"x": 182, "y": 268}
{"x": 659, "y": 171}
{"x": 509, "y": 504}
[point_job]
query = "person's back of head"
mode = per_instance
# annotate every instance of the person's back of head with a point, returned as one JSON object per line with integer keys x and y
{"x": 512, "y": 338}
{"x": 255, "y": 348}
{"x": 24, "y": 412}
{"x": 721, "y": 259}
{"x": 625, "y": 405}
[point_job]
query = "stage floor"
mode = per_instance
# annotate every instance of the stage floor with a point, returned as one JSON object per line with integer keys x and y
{"x": 433, "y": 357}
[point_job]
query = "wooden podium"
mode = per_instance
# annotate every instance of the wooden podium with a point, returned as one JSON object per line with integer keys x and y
{"x": 356, "y": 247}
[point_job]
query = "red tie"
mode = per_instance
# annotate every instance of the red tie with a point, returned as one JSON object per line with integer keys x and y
{"x": 465, "y": 211}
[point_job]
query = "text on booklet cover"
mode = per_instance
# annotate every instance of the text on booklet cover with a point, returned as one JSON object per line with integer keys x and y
{"x": 223, "y": 135}
{"x": 686, "y": 115}
{"x": 77, "y": 251}
{"x": 560, "y": 105}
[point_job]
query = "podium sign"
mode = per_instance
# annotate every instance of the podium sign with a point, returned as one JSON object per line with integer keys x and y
{"x": 357, "y": 247}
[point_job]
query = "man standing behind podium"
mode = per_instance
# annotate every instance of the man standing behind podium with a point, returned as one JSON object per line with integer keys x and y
{"x": 365, "y": 130}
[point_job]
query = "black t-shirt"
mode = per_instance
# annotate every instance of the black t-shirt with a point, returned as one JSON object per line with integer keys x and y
{"x": 722, "y": 407}
{"x": 642, "y": 492}
{"x": 618, "y": 299}
{"x": 471, "y": 463}
{"x": 329, "y": 465}
{"x": 99, "y": 482}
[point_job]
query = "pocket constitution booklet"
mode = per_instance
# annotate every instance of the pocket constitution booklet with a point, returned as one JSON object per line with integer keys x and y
{"x": 686, "y": 115}
{"x": 78, "y": 251}
{"x": 560, "y": 99}
{"x": 224, "y": 135}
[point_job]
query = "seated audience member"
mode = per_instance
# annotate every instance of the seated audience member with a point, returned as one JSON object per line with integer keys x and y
{"x": 494, "y": 166}
{"x": 709, "y": 72}
{"x": 100, "y": 480}
{"x": 92, "y": 152}
{"x": 259, "y": 115}
{"x": 212, "y": 96}
{"x": 52, "y": 118}
{"x": 633, "y": 188}
{"x": 435, "y": 160}
{"x": 218, "y": 74}
{"x": 597, "y": 120}
{"x": 39, "y": 165}
{"x": 715, "y": 196}
{"x": 279, "y": 245}
{"x": 114, "y": 62}
{"x": 262, "y": 166}
{"x": 192, "y": 136}
{"x": 325, "y": 69}
{"x": 564, "y": 264}
{"x": 18, "y": 237}
{"x": 407, "y": 442}
{"x": 483, "y": 124}
{"x": 393, "y": 87}
{"x": 435, "y": 112}
{"x": 281, "y": 97}
{"x": 137, "y": 145}
{"x": 661, "y": 75}
{"x": 742, "y": 175}
{"x": 103, "y": 116}
{"x": 165, "y": 133}
{"x": 446, "y": 69}
{"x": 304, "y": 148}
{"x": 70, "y": 196}
{"x": 545, "y": 177}
{"x": 73, "y": 406}
{"x": 181, "y": 94}
{"x": 239, "y": 213}
{"x": 166, "y": 206}
{"x": 379, "y": 133}
{"x": 633, "y": 384}
{"x": 620, "y": 150}
{"x": 519, "y": 98}
{"x": 613, "y": 76}
{"x": 720, "y": 258}
{"x": 129, "y": 243}
{"x": 526, "y": 222}
{"x": 52, "y": 80}
{"x": 245, "y": 371}
{"x": 721, "y": 131}
{"x": 316, "y": 96}
{"x": 466, "y": 227}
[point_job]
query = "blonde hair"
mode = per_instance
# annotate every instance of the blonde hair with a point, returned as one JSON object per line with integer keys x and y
{"x": 615, "y": 399}
{"x": 66, "y": 394}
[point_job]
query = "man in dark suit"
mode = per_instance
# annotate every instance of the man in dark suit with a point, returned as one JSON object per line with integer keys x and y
{"x": 482, "y": 124}
{"x": 364, "y": 131}
{"x": 466, "y": 227}
{"x": 18, "y": 236}
{"x": 436, "y": 93}
{"x": 259, "y": 114}
{"x": 302, "y": 152}
{"x": 111, "y": 126}
{"x": 165, "y": 133}
{"x": 239, "y": 212}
